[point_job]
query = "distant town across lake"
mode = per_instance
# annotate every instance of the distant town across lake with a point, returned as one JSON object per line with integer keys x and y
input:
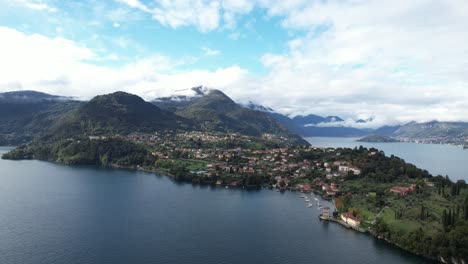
{"x": 437, "y": 159}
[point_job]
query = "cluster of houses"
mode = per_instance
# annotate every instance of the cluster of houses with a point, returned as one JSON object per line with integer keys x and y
{"x": 280, "y": 164}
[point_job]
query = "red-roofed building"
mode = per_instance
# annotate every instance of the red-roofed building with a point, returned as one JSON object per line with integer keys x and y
{"x": 350, "y": 219}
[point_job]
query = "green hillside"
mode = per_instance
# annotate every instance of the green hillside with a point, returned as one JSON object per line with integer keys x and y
{"x": 116, "y": 113}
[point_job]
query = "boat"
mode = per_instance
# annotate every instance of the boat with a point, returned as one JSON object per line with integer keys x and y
{"x": 309, "y": 205}
{"x": 315, "y": 199}
{"x": 307, "y": 200}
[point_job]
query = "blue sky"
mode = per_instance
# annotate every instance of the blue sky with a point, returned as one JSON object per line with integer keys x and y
{"x": 113, "y": 28}
{"x": 353, "y": 58}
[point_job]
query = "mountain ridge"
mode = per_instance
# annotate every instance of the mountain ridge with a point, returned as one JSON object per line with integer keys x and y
{"x": 122, "y": 113}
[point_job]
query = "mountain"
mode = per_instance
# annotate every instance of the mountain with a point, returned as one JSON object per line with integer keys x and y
{"x": 253, "y": 106}
{"x": 386, "y": 130}
{"x": 318, "y": 126}
{"x": 182, "y": 98}
{"x": 215, "y": 111}
{"x": 308, "y": 120}
{"x": 117, "y": 113}
{"x": 25, "y": 114}
{"x": 30, "y": 96}
{"x": 433, "y": 129}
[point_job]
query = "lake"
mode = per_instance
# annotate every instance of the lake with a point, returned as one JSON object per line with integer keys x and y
{"x": 437, "y": 159}
{"x": 51, "y": 213}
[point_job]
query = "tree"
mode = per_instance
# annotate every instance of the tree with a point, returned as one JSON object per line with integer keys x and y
{"x": 422, "y": 213}
{"x": 444, "y": 219}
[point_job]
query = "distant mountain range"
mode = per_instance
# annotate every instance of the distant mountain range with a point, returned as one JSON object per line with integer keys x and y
{"x": 28, "y": 114}
{"x": 314, "y": 125}
{"x": 333, "y": 126}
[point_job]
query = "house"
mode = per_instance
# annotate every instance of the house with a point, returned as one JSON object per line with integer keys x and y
{"x": 350, "y": 219}
{"x": 356, "y": 171}
{"x": 403, "y": 190}
{"x": 428, "y": 183}
{"x": 306, "y": 188}
{"x": 345, "y": 169}
{"x": 342, "y": 168}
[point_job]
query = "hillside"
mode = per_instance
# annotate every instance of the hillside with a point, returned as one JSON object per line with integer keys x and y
{"x": 31, "y": 96}
{"x": 117, "y": 113}
{"x": 433, "y": 129}
{"x": 26, "y": 114}
{"x": 217, "y": 112}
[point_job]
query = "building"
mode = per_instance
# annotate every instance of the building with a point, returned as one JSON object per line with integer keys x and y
{"x": 307, "y": 188}
{"x": 356, "y": 171}
{"x": 343, "y": 168}
{"x": 403, "y": 190}
{"x": 325, "y": 212}
{"x": 350, "y": 219}
{"x": 428, "y": 183}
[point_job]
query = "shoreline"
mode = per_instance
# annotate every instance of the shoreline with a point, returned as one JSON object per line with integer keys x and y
{"x": 172, "y": 177}
{"x": 374, "y": 236}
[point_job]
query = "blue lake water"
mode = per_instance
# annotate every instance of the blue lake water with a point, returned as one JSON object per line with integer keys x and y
{"x": 52, "y": 213}
{"x": 437, "y": 159}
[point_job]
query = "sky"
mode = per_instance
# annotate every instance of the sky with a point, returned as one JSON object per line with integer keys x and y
{"x": 393, "y": 61}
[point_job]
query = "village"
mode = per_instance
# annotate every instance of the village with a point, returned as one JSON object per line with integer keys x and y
{"x": 285, "y": 166}
{"x": 235, "y": 161}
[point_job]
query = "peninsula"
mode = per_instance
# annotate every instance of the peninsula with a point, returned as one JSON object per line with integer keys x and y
{"x": 378, "y": 139}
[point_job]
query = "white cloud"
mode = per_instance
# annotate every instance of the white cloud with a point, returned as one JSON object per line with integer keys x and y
{"x": 399, "y": 61}
{"x": 204, "y": 14}
{"x": 63, "y": 67}
{"x": 36, "y": 5}
{"x": 210, "y": 52}
{"x": 135, "y": 4}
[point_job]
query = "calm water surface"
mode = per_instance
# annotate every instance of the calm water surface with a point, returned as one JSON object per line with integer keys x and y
{"x": 437, "y": 159}
{"x": 52, "y": 213}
